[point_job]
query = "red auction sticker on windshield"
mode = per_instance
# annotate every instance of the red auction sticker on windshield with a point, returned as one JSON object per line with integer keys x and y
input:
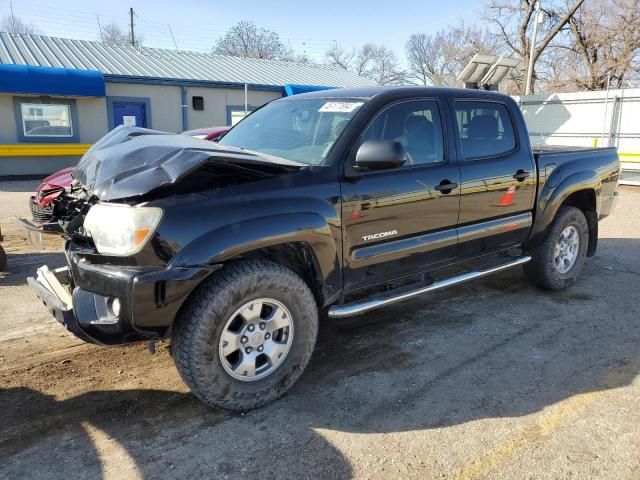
{"x": 340, "y": 107}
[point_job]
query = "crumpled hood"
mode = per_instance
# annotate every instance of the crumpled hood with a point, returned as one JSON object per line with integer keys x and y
{"x": 133, "y": 161}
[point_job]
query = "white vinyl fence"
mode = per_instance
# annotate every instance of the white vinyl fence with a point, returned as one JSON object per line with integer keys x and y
{"x": 588, "y": 119}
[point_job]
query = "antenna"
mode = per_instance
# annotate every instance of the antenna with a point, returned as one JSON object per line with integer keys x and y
{"x": 13, "y": 19}
{"x": 173, "y": 38}
{"x": 100, "y": 28}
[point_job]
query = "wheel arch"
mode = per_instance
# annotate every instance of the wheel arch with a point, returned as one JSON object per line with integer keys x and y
{"x": 580, "y": 190}
{"x": 585, "y": 200}
{"x": 303, "y": 242}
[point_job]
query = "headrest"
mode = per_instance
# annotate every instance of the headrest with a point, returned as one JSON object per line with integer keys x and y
{"x": 417, "y": 123}
{"x": 483, "y": 126}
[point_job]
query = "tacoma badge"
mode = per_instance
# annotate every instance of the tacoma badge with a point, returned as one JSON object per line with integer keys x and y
{"x": 375, "y": 236}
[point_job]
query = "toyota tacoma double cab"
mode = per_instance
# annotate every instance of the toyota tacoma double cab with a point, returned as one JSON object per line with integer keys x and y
{"x": 328, "y": 204}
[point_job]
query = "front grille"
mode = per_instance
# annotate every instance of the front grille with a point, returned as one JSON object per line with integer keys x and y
{"x": 41, "y": 214}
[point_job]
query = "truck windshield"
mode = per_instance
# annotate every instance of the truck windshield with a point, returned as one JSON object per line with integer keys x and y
{"x": 302, "y": 130}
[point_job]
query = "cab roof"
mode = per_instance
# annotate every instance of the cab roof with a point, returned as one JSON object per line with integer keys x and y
{"x": 400, "y": 91}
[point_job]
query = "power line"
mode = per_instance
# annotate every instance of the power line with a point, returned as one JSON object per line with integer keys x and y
{"x": 89, "y": 26}
{"x": 437, "y": 22}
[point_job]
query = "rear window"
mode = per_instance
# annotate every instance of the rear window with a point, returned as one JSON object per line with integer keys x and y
{"x": 485, "y": 129}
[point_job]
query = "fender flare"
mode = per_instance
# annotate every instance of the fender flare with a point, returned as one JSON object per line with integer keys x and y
{"x": 553, "y": 196}
{"x": 231, "y": 241}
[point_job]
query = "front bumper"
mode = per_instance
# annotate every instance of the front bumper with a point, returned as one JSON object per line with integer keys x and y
{"x": 608, "y": 204}
{"x": 81, "y": 296}
{"x": 43, "y": 216}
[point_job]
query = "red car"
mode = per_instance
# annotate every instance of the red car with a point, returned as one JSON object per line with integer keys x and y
{"x": 43, "y": 203}
{"x": 209, "y": 133}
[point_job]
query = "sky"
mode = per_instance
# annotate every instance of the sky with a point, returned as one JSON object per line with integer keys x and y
{"x": 309, "y": 27}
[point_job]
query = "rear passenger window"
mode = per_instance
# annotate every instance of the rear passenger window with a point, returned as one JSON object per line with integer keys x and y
{"x": 485, "y": 129}
{"x": 416, "y": 125}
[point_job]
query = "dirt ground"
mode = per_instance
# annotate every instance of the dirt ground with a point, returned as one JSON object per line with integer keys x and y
{"x": 494, "y": 379}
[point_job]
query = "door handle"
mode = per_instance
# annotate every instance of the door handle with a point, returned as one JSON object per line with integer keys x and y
{"x": 521, "y": 175}
{"x": 446, "y": 186}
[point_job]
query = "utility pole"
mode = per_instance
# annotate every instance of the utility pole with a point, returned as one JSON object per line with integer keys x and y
{"x": 133, "y": 38}
{"x": 532, "y": 49}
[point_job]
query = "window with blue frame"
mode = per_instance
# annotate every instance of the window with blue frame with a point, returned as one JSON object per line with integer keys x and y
{"x": 46, "y": 120}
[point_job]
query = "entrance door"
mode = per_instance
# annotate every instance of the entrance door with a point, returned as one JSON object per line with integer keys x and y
{"x": 131, "y": 114}
{"x": 402, "y": 221}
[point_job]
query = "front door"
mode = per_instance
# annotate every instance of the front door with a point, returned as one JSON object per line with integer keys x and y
{"x": 131, "y": 114}
{"x": 498, "y": 178}
{"x": 401, "y": 221}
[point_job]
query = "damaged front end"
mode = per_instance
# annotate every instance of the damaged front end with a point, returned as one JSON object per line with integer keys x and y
{"x": 61, "y": 216}
{"x": 119, "y": 285}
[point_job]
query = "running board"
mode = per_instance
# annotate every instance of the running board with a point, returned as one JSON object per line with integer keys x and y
{"x": 357, "y": 308}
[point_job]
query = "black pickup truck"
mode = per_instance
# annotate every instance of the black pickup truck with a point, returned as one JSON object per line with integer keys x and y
{"x": 336, "y": 202}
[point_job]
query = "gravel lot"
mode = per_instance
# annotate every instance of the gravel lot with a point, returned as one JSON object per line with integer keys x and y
{"x": 495, "y": 379}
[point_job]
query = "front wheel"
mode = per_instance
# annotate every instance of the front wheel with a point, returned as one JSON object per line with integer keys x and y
{"x": 246, "y": 335}
{"x": 556, "y": 263}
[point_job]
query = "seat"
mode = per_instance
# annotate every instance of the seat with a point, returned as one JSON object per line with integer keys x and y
{"x": 482, "y": 135}
{"x": 483, "y": 127}
{"x": 421, "y": 146}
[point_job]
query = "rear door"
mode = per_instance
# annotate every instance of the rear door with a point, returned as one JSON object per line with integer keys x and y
{"x": 400, "y": 221}
{"x": 497, "y": 177}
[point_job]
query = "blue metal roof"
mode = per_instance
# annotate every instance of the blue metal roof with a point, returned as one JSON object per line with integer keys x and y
{"x": 51, "y": 81}
{"x": 121, "y": 61}
{"x": 290, "y": 89}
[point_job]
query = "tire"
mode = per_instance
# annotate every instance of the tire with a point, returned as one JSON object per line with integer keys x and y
{"x": 3, "y": 260}
{"x": 543, "y": 269}
{"x": 212, "y": 315}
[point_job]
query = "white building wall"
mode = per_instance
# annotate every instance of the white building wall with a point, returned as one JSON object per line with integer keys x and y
{"x": 585, "y": 119}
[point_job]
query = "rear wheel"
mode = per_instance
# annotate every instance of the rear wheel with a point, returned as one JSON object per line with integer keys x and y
{"x": 557, "y": 261}
{"x": 246, "y": 335}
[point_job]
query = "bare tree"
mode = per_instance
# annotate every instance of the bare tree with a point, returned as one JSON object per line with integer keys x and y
{"x": 606, "y": 44}
{"x": 112, "y": 34}
{"x": 246, "y": 40}
{"x": 384, "y": 67}
{"x": 438, "y": 59}
{"x": 514, "y": 19}
{"x": 291, "y": 55}
{"x": 375, "y": 62}
{"x": 340, "y": 57}
{"x": 15, "y": 25}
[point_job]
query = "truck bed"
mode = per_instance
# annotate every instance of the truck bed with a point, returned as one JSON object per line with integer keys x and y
{"x": 562, "y": 150}
{"x": 603, "y": 159}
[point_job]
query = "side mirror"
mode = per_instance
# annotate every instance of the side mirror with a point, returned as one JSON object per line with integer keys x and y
{"x": 380, "y": 155}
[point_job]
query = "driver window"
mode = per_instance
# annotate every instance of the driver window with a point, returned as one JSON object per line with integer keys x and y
{"x": 416, "y": 125}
